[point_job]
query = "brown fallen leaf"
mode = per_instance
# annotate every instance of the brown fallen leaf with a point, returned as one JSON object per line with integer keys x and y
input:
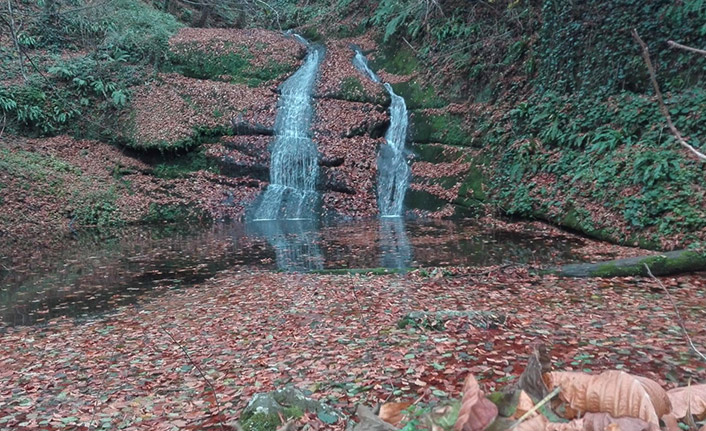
{"x": 524, "y": 404}
{"x": 604, "y": 421}
{"x": 693, "y": 397}
{"x": 477, "y": 412}
{"x": 393, "y": 413}
{"x": 615, "y": 392}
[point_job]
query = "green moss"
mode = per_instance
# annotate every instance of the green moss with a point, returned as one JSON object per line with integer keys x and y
{"x": 398, "y": 60}
{"x": 419, "y": 199}
{"x": 472, "y": 192}
{"x": 443, "y": 128}
{"x": 659, "y": 265}
{"x": 418, "y": 97}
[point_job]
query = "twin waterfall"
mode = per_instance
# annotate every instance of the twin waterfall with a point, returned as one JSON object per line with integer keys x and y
{"x": 287, "y": 212}
{"x": 294, "y": 167}
{"x": 393, "y": 170}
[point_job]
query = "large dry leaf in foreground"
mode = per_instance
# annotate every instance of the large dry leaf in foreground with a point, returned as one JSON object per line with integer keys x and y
{"x": 693, "y": 396}
{"x": 590, "y": 422}
{"x": 614, "y": 392}
{"x": 477, "y": 412}
{"x": 603, "y": 421}
{"x": 393, "y": 413}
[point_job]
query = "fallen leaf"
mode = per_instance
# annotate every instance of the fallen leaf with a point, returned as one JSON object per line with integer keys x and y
{"x": 693, "y": 397}
{"x": 393, "y": 413}
{"x": 615, "y": 392}
{"x": 477, "y": 412}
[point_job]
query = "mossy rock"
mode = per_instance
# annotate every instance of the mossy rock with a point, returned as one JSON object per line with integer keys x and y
{"x": 472, "y": 191}
{"x": 673, "y": 262}
{"x": 396, "y": 59}
{"x": 441, "y": 128}
{"x": 418, "y": 97}
{"x": 234, "y": 67}
{"x": 419, "y": 199}
{"x": 264, "y": 409}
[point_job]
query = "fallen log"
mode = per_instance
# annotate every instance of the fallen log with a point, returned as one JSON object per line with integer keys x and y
{"x": 669, "y": 263}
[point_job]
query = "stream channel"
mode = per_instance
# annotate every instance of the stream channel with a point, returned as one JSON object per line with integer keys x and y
{"x": 97, "y": 272}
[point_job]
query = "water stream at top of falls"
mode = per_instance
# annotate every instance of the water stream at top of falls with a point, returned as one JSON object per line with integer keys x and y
{"x": 393, "y": 170}
{"x": 294, "y": 167}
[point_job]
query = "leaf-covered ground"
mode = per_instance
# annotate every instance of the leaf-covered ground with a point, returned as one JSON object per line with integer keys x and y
{"x": 336, "y": 336}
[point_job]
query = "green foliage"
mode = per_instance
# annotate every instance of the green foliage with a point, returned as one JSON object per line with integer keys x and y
{"x": 587, "y": 47}
{"x": 97, "y": 209}
{"x": 615, "y": 152}
{"x": 137, "y": 30}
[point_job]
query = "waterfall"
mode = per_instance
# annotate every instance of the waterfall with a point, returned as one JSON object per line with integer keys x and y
{"x": 393, "y": 170}
{"x": 294, "y": 168}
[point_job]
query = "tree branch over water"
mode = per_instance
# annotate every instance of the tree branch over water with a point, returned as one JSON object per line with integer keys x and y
{"x": 660, "y": 99}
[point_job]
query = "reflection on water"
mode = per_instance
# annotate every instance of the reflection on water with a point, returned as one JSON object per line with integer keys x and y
{"x": 395, "y": 251}
{"x": 96, "y": 273}
{"x": 295, "y": 242}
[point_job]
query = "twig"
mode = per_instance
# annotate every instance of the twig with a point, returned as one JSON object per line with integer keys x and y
{"x": 673, "y": 44}
{"x": 676, "y": 311}
{"x": 198, "y": 368}
{"x": 660, "y": 99}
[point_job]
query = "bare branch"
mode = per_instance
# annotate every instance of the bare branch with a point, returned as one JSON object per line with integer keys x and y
{"x": 676, "y": 311}
{"x": 14, "y": 32}
{"x": 660, "y": 99}
{"x": 203, "y": 376}
{"x": 673, "y": 44}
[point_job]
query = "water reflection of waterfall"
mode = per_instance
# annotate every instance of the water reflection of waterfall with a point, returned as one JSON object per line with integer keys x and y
{"x": 395, "y": 251}
{"x": 294, "y": 164}
{"x": 393, "y": 170}
{"x": 296, "y": 243}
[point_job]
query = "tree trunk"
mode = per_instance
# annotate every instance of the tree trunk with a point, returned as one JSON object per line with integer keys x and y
{"x": 673, "y": 262}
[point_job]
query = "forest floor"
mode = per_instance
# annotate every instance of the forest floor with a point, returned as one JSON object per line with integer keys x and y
{"x": 338, "y": 337}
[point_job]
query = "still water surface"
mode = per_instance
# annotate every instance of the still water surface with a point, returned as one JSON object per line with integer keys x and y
{"x": 96, "y": 273}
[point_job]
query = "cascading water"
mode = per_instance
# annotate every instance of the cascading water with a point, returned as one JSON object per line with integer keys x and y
{"x": 294, "y": 168}
{"x": 393, "y": 170}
